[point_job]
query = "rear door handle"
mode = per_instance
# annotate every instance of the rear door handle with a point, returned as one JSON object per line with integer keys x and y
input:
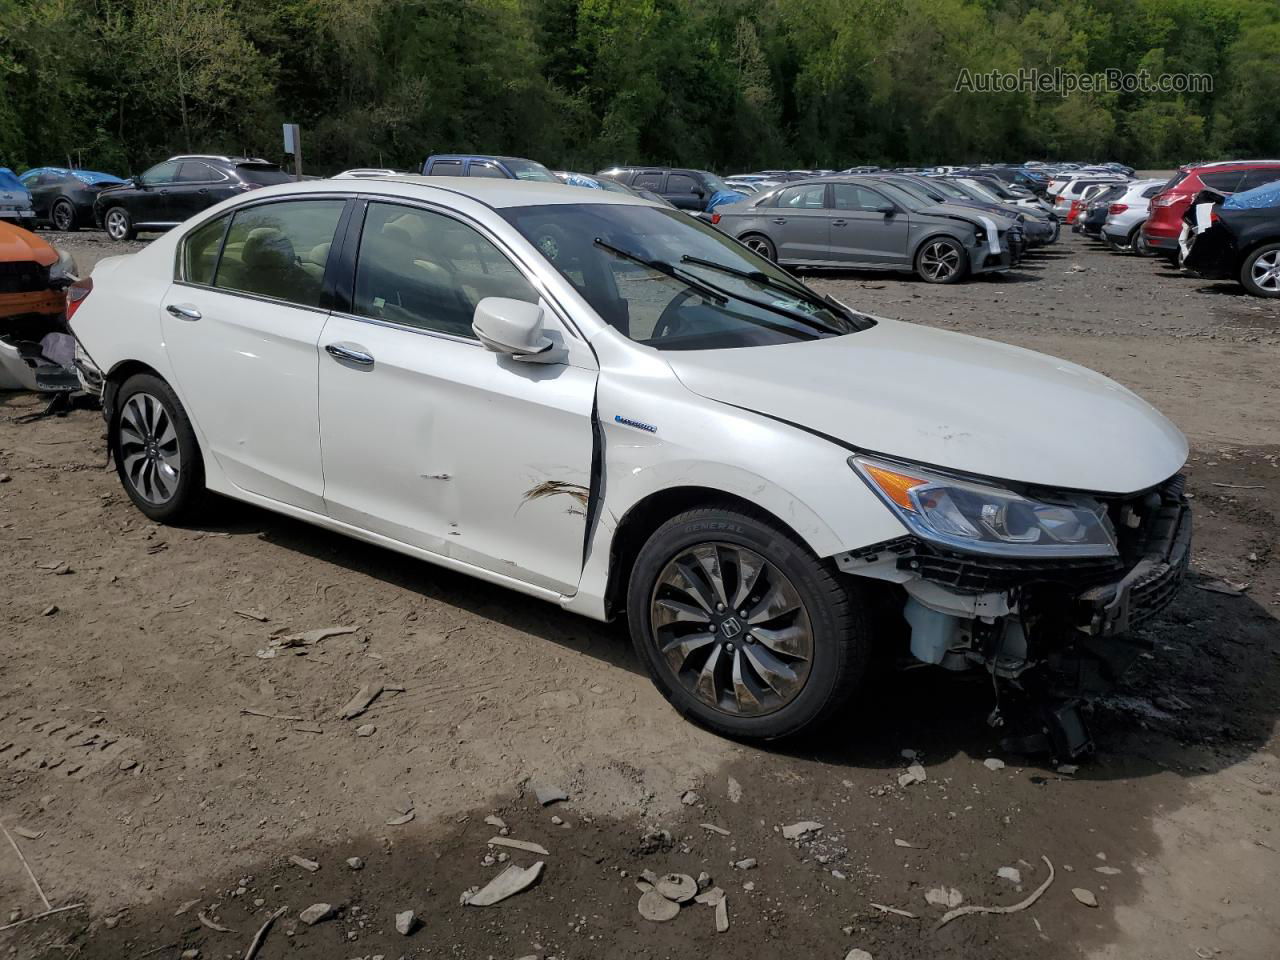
{"x": 779, "y": 219}
{"x": 352, "y": 353}
{"x": 183, "y": 312}
{"x": 839, "y": 223}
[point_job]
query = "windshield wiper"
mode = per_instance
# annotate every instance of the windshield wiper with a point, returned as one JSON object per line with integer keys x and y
{"x": 668, "y": 270}
{"x": 800, "y": 292}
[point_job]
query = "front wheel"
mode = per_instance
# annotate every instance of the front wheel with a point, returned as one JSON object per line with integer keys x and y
{"x": 1260, "y": 272}
{"x": 942, "y": 260}
{"x": 63, "y": 216}
{"x": 742, "y": 629}
{"x": 119, "y": 224}
{"x": 155, "y": 450}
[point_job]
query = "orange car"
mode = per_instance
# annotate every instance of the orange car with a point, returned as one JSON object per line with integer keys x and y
{"x": 33, "y": 275}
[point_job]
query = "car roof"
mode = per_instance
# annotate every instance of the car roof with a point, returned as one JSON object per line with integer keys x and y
{"x": 475, "y": 156}
{"x": 217, "y": 156}
{"x": 490, "y": 192}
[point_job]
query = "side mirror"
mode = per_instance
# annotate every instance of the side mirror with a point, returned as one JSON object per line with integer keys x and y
{"x": 888, "y": 209}
{"x": 512, "y": 327}
{"x": 697, "y": 191}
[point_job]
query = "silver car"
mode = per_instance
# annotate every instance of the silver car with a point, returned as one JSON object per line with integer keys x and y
{"x": 868, "y": 224}
{"x": 1123, "y": 227}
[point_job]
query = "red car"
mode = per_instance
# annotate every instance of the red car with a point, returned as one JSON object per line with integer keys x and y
{"x": 1164, "y": 222}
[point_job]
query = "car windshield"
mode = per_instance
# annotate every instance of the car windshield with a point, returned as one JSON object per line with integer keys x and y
{"x": 528, "y": 170}
{"x": 904, "y": 196}
{"x": 668, "y": 281}
{"x": 949, "y": 190}
{"x": 982, "y": 193}
{"x": 717, "y": 185}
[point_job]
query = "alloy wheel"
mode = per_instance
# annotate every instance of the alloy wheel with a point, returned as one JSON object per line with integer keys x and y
{"x": 1266, "y": 271}
{"x": 940, "y": 260}
{"x": 63, "y": 216}
{"x": 732, "y": 629}
{"x": 117, "y": 224}
{"x": 759, "y": 245}
{"x": 149, "y": 449}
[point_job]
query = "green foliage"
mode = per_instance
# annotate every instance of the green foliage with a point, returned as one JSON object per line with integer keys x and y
{"x": 726, "y": 84}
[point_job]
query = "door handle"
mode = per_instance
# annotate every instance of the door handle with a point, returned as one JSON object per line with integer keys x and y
{"x": 183, "y": 312}
{"x": 839, "y": 223}
{"x": 779, "y": 219}
{"x": 352, "y": 354}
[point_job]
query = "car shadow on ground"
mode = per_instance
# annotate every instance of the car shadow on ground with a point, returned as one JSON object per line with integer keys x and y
{"x": 1207, "y": 679}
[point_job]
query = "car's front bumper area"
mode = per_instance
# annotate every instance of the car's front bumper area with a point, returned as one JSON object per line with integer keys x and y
{"x": 1012, "y": 615}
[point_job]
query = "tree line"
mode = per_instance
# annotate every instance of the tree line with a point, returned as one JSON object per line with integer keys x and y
{"x": 730, "y": 85}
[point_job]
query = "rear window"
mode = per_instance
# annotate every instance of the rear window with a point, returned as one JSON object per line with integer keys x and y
{"x": 263, "y": 174}
{"x": 1225, "y": 181}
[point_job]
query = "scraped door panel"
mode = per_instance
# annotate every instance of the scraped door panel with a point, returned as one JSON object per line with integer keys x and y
{"x": 443, "y": 445}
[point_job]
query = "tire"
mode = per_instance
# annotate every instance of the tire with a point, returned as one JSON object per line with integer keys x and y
{"x": 1138, "y": 243}
{"x": 821, "y": 668}
{"x": 941, "y": 260}
{"x": 155, "y": 450}
{"x": 761, "y": 245}
{"x": 1260, "y": 272}
{"x": 119, "y": 224}
{"x": 1114, "y": 245}
{"x": 63, "y": 216}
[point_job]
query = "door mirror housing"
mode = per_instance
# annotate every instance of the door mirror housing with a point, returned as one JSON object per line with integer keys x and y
{"x": 511, "y": 327}
{"x": 888, "y": 209}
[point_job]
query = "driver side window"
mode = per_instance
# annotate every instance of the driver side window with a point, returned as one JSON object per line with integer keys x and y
{"x": 423, "y": 269}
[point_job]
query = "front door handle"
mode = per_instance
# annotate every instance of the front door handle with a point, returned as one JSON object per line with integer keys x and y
{"x": 779, "y": 219}
{"x": 352, "y": 353}
{"x": 839, "y": 223}
{"x": 183, "y": 312}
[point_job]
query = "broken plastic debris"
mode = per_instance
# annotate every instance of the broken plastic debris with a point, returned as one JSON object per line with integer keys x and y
{"x": 993, "y": 763}
{"x": 527, "y": 845}
{"x": 895, "y": 911}
{"x": 548, "y": 794}
{"x": 856, "y": 954}
{"x": 944, "y": 897}
{"x": 679, "y": 887}
{"x": 796, "y": 830}
{"x": 915, "y": 774}
{"x": 361, "y": 701}
{"x": 1013, "y": 908}
{"x": 714, "y": 829}
{"x": 311, "y": 866}
{"x": 1012, "y": 874}
{"x": 508, "y": 883}
{"x": 400, "y": 820}
{"x": 655, "y": 907}
{"x": 315, "y": 913}
{"x": 722, "y": 915}
{"x": 735, "y": 791}
{"x": 1084, "y": 896}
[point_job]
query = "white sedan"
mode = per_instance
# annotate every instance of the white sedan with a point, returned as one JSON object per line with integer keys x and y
{"x": 598, "y": 401}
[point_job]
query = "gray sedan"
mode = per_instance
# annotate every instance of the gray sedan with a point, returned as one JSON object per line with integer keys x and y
{"x": 864, "y": 224}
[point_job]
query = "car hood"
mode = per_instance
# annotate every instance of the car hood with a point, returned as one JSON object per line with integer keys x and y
{"x": 948, "y": 400}
{"x": 968, "y": 214}
{"x": 17, "y": 245}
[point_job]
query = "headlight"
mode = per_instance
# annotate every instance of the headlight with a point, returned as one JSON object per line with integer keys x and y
{"x": 979, "y": 518}
{"x": 64, "y": 269}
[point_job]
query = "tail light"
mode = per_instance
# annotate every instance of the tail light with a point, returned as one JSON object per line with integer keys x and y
{"x": 1117, "y": 208}
{"x": 76, "y": 294}
{"x": 715, "y": 218}
{"x": 1074, "y": 211}
{"x": 1213, "y": 217}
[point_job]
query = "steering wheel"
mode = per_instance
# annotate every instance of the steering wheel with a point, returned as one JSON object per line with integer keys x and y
{"x": 670, "y": 322}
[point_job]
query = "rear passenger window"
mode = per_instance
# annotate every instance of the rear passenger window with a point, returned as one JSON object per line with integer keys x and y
{"x": 811, "y": 196}
{"x": 426, "y": 270}
{"x": 1223, "y": 182}
{"x": 446, "y": 168}
{"x": 200, "y": 254}
{"x": 648, "y": 181}
{"x": 681, "y": 183}
{"x": 279, "y": 250}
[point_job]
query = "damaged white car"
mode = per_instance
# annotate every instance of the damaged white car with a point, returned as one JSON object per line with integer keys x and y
{"x": 603, "y": 403}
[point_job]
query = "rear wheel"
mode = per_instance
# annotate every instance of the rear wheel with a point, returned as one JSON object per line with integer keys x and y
{"x": 119, "y": 224}
{"x": 63, "y": 216}
{"x": 155, "y": 450}
{"x": 942, "y": 260}
{"x": 760, "y": 244}
{"x": 742, "y": 629}
{"x": 1260, "y": 272}
{"x": 1138, "y": 243}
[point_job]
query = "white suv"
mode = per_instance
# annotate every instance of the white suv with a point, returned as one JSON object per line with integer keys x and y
{"x": 595, "y": 400}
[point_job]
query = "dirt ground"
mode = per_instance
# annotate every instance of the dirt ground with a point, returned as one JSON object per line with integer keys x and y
{"x": 157, "y": 770}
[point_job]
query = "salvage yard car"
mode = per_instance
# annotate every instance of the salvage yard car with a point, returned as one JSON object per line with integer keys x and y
{"x": 64, "y": 198}
{"x": 870, "y": 224}
{"x": 1236, "y": 238}
{"x": 661, "y": 423}
{"x": 33, "y": 277}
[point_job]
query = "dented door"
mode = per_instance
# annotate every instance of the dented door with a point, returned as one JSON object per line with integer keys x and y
{"x": 441, "y": 444}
